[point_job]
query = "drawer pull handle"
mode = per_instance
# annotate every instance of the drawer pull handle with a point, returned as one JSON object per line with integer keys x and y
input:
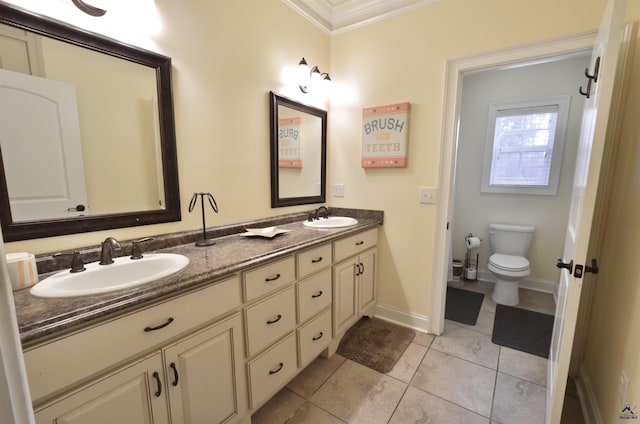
{"x": 278, "y": 318}
{"x": 274, "y": 278}
{"x": 175, "y": 373}
{"x": 317, "y": 294}
{"x": 318, "y": 337}
{"x": 148, "y": 329}
{"x": 277, "y": 370}
{"x": 315, "y": 261}
{"x": 359, "y": 243}
{"x": 157, "y": 377}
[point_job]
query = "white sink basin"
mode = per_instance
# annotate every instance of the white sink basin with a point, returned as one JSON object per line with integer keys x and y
{"x": 123, "y": 273}
{"x": 331, "y": 222}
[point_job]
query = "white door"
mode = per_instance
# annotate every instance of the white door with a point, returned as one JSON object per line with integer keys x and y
{"x": 40, "y": 146}
{"x": 585, "y": 186}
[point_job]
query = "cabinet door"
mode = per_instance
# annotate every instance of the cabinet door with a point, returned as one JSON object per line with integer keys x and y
{"x": 345, "y": 295}
{"x": 206, "y": 377}
{"x": 367, "y": 281}
{"x": 134, "y": 394}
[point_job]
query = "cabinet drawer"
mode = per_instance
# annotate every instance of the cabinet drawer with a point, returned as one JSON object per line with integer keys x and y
{"x": 272, "y": 370}
{"x": 314, "y": 294}
{"x": 269, "y": 320}
{"x": 265, "y": 279}
{"x": 313, "y": 260}
{"x": 354, "y": 244}
{"x": 314, "y": 337}
{"x": 56, "y": 365}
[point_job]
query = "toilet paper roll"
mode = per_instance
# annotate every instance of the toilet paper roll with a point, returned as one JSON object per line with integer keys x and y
{"x": 473, "y": 242}
{"x": 22, "y": 270}
{"x": 471, "y": 274}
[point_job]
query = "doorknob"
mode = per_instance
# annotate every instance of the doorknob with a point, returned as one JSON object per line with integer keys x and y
{"x": 566, "y": 265}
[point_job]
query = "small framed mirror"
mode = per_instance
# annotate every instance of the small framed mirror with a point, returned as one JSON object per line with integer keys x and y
{"x": 298, "y": 152}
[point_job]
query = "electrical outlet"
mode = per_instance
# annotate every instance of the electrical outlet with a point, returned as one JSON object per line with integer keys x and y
{"x": 428, "y": 195}
{"x": 338, "y": 190}
{"x": 623, "y": 388}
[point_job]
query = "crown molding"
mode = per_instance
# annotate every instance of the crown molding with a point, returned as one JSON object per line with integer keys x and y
{"x": 349, "y": 14}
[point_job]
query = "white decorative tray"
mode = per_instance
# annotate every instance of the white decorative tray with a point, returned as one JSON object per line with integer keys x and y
{"x": 268, "y": 232}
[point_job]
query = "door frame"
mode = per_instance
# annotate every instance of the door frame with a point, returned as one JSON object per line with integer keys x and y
{"x": 455, "y": 70}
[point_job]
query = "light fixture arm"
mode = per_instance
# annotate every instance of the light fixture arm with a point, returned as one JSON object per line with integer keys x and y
{"x": 88, "y": 9}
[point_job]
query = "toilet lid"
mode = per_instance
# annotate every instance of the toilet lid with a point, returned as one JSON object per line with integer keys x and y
{"x": 509, "y": 262}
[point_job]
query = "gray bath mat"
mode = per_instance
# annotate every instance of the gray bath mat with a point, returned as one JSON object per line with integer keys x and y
{"x": 523, "y": 330}
{"x": 375, "y": 343}
{"x": 463, "y": 305}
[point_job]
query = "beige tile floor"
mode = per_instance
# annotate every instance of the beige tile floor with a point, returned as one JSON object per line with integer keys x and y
{"x": 457, "y": 377}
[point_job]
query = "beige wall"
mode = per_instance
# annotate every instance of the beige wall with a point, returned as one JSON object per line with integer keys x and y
{"x": 473, "y": 210}
{"x": 613, "y": 344}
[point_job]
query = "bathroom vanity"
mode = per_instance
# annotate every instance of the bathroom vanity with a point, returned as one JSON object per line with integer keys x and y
{"x": 212, "y": 342}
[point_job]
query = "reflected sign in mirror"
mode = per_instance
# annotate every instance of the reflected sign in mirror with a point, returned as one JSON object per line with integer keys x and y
{"x": 298, "y": 153}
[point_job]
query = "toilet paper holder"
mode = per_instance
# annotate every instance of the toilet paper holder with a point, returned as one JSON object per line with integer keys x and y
{"x": 470, "y": 272}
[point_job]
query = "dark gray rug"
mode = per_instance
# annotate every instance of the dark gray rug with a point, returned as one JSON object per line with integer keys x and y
{"x": 523, "y": 330}
{"x": 463, "y": 305}
{"x": 375, "y": 343}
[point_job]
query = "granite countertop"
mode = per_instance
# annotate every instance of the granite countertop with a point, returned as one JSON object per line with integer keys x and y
{"x": 40, "y": 319}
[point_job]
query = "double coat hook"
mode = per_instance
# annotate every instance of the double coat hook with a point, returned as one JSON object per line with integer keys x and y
{"x": 590, "y": 78}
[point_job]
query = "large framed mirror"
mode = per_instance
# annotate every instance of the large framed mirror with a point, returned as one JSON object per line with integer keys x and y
{"x": 298, "y": 152}
{"x": 88, "y": 134}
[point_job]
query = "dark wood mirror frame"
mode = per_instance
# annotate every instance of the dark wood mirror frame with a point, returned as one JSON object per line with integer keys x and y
{"x": 24, "y": 230}
{"x": 276, "y": 200}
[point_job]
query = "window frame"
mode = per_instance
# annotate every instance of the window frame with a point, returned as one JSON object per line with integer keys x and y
{"x": 562, "y": 102}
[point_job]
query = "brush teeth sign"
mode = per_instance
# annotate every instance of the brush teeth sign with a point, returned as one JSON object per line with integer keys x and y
{"x": 385, "y": 132}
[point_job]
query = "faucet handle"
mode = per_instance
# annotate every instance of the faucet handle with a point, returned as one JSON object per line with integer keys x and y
{"x": 76, "y": 261}
{"x": 136, "y": 253}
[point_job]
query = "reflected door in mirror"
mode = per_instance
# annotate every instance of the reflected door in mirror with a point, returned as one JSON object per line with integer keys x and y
{"x": 40, "y": 146}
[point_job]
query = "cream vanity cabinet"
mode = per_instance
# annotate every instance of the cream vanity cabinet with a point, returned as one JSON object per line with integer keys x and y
{"x": 354, "y": 278}
{"x": 287, "y": 318}
{"x": 192, "y": 372}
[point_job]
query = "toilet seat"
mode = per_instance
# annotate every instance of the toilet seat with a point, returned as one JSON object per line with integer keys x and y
{"x": 509, "y": 263}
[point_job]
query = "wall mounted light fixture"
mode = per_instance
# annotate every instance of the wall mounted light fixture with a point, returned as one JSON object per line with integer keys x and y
{"x": 312, "y": 79}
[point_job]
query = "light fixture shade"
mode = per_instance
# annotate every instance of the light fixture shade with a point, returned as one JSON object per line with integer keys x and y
{"x": 326, "y": 83}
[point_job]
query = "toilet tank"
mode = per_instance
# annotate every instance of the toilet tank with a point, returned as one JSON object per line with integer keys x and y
{"x": 510, "y": 239}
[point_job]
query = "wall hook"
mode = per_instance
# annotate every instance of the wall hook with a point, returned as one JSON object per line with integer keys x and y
{"x": 596, "y": 71}
{"x": 588, "y": 92}
{"x": 88, "y": 9}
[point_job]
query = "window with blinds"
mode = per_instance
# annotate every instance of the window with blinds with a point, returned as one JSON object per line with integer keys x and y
{"x": 524, "y": 146}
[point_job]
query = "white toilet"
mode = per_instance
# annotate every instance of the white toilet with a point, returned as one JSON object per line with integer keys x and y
{"x": 510, "y": 244}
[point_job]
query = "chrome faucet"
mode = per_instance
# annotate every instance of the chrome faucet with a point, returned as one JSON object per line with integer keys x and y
{"x": 322, "y": 209}
{"x": 106, "y": 254}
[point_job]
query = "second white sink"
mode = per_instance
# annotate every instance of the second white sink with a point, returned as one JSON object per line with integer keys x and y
{"x": 123, "y": 273}
{"x": 331, "y": 222}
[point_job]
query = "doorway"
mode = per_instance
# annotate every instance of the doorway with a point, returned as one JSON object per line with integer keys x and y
{"x": 456, "y": 71}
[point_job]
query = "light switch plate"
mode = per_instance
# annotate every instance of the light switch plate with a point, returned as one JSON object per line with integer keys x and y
{"x": 338, "y": 190}
{"x": 428, "y": 195}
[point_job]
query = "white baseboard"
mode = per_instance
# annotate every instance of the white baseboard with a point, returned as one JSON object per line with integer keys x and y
{"x": 527, "y": 283}
{"x": 406, "y": 319}
{"x": 588, "y": 402}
